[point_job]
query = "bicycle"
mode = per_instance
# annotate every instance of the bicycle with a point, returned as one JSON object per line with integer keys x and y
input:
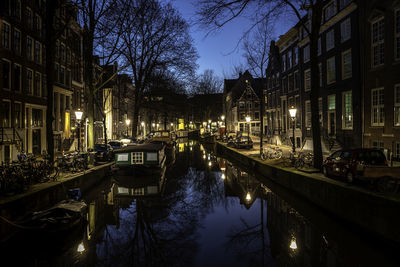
{"x": 271, "y": 153}
{"x": 304, "y": 159}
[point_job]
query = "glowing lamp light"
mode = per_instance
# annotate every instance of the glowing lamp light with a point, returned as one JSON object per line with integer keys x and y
{"x": 153, "y": 124}
{"x": 292, "y": 112}
{"x": 142, "y": 123}
{"x": 81, "y": 248}
{"x": 128, "y": 121}
{"x": 209, "y": 163}
{"x": 248, "y": 196}
{"x": 222, "y": 117}
{"x": 204, "y": 156}
{"x": 223, "y": 176}
{"x": 78, "y": 114}
{"x": 293, "y": 244}
{"x": 248, "y": 118}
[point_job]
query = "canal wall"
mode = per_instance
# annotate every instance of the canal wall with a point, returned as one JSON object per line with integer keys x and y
{"x": 374, "y": 213}
{"x": 44, "y": 195}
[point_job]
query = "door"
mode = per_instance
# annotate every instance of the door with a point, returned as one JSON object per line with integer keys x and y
{"x": 332, "y": 122}
{"x": 36, "y": 144}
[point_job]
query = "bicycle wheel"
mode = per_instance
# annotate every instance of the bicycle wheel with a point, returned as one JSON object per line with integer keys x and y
{"x": 263, "y": 156}
{"x": 299, "y": 163}
{"x": 278, "y": 154}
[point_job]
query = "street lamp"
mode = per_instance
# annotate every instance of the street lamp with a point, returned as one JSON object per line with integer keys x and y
{"x": 172, "y": 126}
{"x": 78, "y": 116}
{"x": 248, "y": 129}
{"x": 292, "y": 112}
{"x": 127, "y": 121}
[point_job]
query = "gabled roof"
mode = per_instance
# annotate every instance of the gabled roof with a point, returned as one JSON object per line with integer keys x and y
{"x": 237, "y": 86}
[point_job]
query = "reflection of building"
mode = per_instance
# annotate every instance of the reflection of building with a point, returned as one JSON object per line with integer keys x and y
{"x": 240, "y": 184}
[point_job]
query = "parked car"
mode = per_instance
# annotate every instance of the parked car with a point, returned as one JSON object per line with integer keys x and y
{"x": 115, "y": 144}
{"x": 349, "y": 163}
{"x": 103, "y": 152}
{"x": 241, "y": 142}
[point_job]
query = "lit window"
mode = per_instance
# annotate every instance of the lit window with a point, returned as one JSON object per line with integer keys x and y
{"x": 378, "y": 42}
{"x": 377, "y": 107}
{"x": 347, "y": 110}
{"x": 330, "y": 40}
{"x": 308, "y": 114}
{"x": 347, "y": 70}
{"x": 345, "y": 30}
{"x": 330, "y": 70}
{"x": 331, "y": 102}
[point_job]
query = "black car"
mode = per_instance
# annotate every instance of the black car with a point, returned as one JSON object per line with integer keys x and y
{"x": 241, "y": 142}
{"x": 115, "y": 144}
{"x": 103, "y": 152}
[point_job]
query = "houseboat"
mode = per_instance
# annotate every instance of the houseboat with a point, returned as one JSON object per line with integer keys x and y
{"x": 148, "y": 157}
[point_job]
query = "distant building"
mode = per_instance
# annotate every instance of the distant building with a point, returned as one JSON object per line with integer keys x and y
{"x": 242, "y": 98}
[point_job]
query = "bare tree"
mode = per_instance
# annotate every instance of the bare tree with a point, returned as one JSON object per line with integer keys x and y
{"x": 216, "y": 13}
{"x": 207, "y": 83}
{"x": 156, "y": 37}
{"x": 256, "y": 49}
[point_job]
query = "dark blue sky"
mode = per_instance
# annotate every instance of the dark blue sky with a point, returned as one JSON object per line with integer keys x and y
{"x": 219, "y": 51}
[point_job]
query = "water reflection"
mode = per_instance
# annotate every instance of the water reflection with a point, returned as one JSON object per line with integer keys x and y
{"x": 194, "y": 214}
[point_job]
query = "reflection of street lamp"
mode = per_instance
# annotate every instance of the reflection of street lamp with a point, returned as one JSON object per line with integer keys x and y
{"x": 292, "y": 112}
{"x": 144, "y": 129}
{"x": 248, "y": 129}
{"x": 78, "y": 116}
{"x": 209, "y": 125}
{"x": 127, "y": 121}
{"x": 158, "y": 125}
{"x": 172, "y": 126}
{"x": 293, "y": 244}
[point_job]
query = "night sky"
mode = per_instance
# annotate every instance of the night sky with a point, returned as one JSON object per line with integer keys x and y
{"x": 220, "y": 51}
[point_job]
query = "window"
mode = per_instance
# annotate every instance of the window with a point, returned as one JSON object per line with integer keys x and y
{"x": 37, "y": 118}
{"x": 308, "y": 114}
{"x": 295, "y": 55}
{"x": 378, "y": 145}
{"x": 307, "y": 80}
{"x": 241, "y": 105}
{"x": 29, "y": 17}
{"x": 6, "y": 74}
{"x": 320, "y": 74}
{"x": 17, "y": 41}
{"x": 330, "y": 70}
{"x": 16, "y": 8}
{"x": 306, "y": 53}
{"x": 17, "y": 78}
{"x": 17, "y": 115}
{"x": 290, "y": 83}
{"x": 330, "y": 40}
{"x": 6, "y": 114}
{"x": 68, "y": 56}
{"x": 330, "y": 10}
{"x": 57, "y": 49}
{"x": 319, "y": 47}
{"x": 378, "y": 42}
{"x": 38, "y": 84}
{"x": 29, "y": 48}
{"x": 56, "y": 79}
{"x": 296, "y": 80}
{"x": 320, "y": 117}
{"x": 397, "y": 105}
{"x": 284, "y": 85}
{"x": 256, "y": 115}
{"x": 44, "y": 86}
{"x": 331, "y": 102}
{"x": 344, "y": 3}
{"x": 5, "y": 35}
{"x": 347, "y": 110}
{"x": 347, "y": 70}
{"x": 137, "y": 158}
{"x": 284, "y": 62}
{"x": 44, "y": 54}
{"x": 38, "y": 54}
{"x": 29, "y": 81}
{"x": 38, "y": 24}
{"x": 62, "y": 52}
{"x": 377, "y": 107}
{"x": 345, "y": 30}
{"x": 289, "y": 57}
{"x": 397, "y": 34}
{"x": 68, "y": 78}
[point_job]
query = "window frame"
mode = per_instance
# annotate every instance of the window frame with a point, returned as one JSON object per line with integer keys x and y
{"x": 3, "y": 34}
{"x": 378, "y": 43}
{"x": 328, "y": 74}
{"x": 344, "y": 76}
{"x": 38, "y": 57}
{"x": 19, "y": 50}
{"x": 343, "y": 30}
{"x": 35, "y": 83}
{"x": 9, "y": 74}
{"x": 305, "y": 80}
{"x": 20, "y": 124}
{"x": 378, "y": 107}
{"x": 29, "y": 53}
{"x": 307, "y": 113}
{"x": 306, "y": 48}
{"x": 396, "y": 105}
{"x": 8, "y": 125}
{"x": 329, "y": 46}
{"x": 344, "y": 127}
{"x": 30, "y": 85}
{"x": 20, "y": 77}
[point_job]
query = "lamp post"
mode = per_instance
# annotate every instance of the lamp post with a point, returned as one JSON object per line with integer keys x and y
{"x": 292, "y": 112}
{"x": 127, "y": 121}
{"x": 248, "y": 128}
{"x": 172, "y": 127}
{"x": 78, "y": 116}
{"x": 223, "y": 121}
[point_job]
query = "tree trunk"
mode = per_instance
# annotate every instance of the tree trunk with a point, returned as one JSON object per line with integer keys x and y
{"x": 88, "y": 73}
{"x": 51, "y": 7}
{"x": 316, "y": 131}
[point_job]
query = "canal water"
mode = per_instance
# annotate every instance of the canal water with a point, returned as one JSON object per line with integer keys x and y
{"x": 202, "y": 210}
